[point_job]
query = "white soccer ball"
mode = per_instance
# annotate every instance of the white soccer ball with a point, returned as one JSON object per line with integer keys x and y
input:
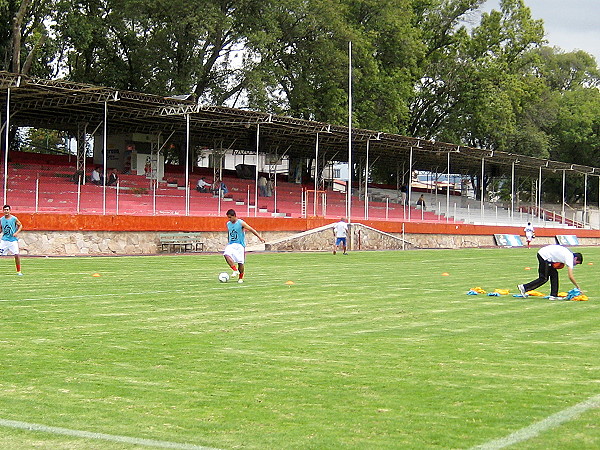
{"x": 223, "y": 277}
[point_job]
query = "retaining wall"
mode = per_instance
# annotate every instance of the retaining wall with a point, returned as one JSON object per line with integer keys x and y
{"x": 63, "y": 234}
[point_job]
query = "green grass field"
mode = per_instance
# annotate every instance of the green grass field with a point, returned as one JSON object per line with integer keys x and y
{"x": 370, "y": 350}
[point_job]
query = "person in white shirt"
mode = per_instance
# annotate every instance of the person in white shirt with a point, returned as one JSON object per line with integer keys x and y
{"x": 203, "y": 185}
{"x": 95, "y": 177}
{"x": 529, "y": 234}
{"x": 340, "y": 231}
{"x": 550, "y": 259}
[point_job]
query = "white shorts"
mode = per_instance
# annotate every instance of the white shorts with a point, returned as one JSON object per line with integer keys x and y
{"x": 236, "y": 252}
{"x": 9, "y": 246}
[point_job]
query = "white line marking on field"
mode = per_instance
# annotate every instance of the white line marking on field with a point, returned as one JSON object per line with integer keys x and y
{"x": 549, "y": 422}
{"x": 102, "y": 436}
{"x": 75, "y": 297}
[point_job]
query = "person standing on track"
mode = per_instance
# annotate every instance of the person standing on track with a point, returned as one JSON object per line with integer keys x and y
{"x": 340, "y": 232}
{"x": 529, "y": 234}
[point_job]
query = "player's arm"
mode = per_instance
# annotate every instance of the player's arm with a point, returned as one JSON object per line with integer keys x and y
{"x": 572, "y": 278}
{"x": 19, "y": 227}
{"x": 253, "y": 231}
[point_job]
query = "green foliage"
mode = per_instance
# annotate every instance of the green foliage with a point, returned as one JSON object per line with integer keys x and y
{"x": 157, "y": 348}
{"x": 39, "y": 140}
{"x": 425, "y": 68}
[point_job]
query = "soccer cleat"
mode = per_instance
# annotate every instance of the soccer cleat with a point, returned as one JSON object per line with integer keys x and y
{"x": 235, "y": 273}
{"x": 522, "y": 290}
{"x": 240, "y": 280}
{"x": 554, "y": 297}
{"x": 19, "y": 274}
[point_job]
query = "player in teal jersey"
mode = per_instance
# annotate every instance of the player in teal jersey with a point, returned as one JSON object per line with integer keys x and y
{"x": 11, "y": 227}
{"x": 235, "y": 251}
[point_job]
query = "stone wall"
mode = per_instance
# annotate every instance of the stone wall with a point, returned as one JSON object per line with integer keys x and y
{"x": 68, "y": 243}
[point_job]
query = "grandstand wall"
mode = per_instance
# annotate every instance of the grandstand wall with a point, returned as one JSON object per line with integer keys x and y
{"x": 69, "y": 234}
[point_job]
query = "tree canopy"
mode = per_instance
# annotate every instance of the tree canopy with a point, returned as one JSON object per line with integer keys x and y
{"x": 437, "y": 69}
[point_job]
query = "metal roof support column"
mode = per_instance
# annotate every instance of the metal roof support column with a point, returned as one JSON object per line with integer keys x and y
{"x": 447, "y": 190}
{"x": 367, "y": 183}
{"x": 512, "y": 192}
{"x": 564, "y": 185}
{"x": 6, "y": 130}
{"x": 81, "y": 150}
{"x": 316, "y": 174}
{"x": 539, "y": 194}
{"x": 410, "y": 165}
{"x": 481, "y": 185}
{"x": 256, "y": 171}
{"x": 349, "y": 186}
{"x": 585, "y": 186}
{"x": 187, "y": 164}
{"x": 104, "y": 152}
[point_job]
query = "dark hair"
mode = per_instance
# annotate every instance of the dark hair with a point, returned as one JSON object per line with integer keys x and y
{"x": 6, "y": 206}
{"x": 231, "y": 212}
{"x": 579, "y": 257}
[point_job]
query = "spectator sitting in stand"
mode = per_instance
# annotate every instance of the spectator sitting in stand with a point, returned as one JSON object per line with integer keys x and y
{"x": 113, "y": 178}
{"x": 95, "y": 177}
{"x": 202, "y": 185}
{"x": 262, "y": 186}
{"x": 220, "y": 189}
{"x": 421, "y": 202}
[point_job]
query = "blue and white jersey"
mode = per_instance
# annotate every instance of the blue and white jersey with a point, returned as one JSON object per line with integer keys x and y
{"x": 9, "y": 228}
{"x": 235, "y": 231}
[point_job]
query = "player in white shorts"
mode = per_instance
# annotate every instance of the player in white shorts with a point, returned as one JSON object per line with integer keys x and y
{"x": 11, "y": 227}
{"x": 235, "y": 252}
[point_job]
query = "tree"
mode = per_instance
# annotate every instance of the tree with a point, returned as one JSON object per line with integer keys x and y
{"x": 24, "y": 38}
{"x": 162, "y": 47}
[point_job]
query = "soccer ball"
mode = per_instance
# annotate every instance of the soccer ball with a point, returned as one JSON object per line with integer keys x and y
{"x": 223, "y": 277}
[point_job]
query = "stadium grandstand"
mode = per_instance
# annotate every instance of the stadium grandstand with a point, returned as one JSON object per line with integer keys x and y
{"x": 302, "y": 159}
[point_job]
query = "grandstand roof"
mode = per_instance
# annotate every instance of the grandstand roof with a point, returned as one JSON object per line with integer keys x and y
{"x": 64, "y": 105}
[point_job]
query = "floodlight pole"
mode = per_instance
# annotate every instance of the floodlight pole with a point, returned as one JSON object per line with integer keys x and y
{"x": 6, "y": 127}
{"x": 349, "y": 186}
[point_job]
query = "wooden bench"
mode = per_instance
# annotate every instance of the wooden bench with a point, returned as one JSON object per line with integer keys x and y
{"x": 181, "y": 242}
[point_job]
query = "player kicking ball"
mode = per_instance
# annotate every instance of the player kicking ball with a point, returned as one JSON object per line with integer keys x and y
{"x": 235, "y": 252}
{"x": 11, "y": 227}
{"x": 550, "y": 259}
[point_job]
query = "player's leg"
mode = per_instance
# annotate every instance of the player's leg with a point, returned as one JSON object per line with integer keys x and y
{"x": 344, "y": 245}
{"x": 241, "y": 258}
{"x": 231, "y": 264}
{"x": 553, "y": 274}
{"x": 543, "y": 268}
{"x": 18, "y": 263}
